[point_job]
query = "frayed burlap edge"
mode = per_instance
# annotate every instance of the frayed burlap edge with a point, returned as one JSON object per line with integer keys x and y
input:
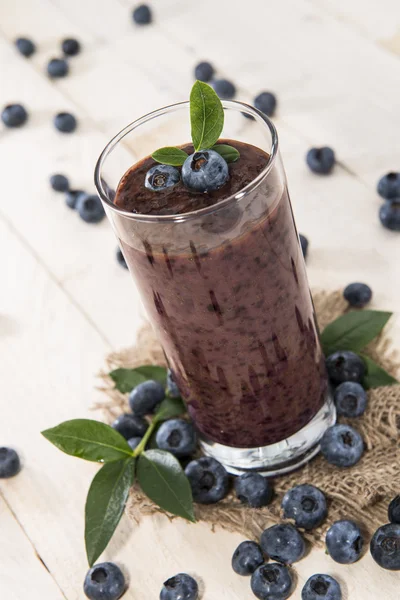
{"x": 361, "y": 493}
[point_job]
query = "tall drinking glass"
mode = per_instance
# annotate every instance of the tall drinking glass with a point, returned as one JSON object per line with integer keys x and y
{"x": 226, "y": 291}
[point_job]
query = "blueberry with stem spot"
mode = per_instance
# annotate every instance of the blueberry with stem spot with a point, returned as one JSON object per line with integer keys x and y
{"x": 253, "y": 489}
{"x": 178, "y": 437}
{"x": 205, "y": 171}
{"x": 385, "y": 547}
{"x": 204, "y": 71}
{"x": 208, "y": 479}
{"x": 246, "y": 558}
{"x": 104, "y": 581}
{"x": 350, "y": 399}
{"x": 321, "y": 160}
{"x": 266, "y": 103}
{"x": 130, "y": 426}
{"x": 394, "y": 510}
{"x": 14, "y": 115}
{"x": 321, "y": 587}
{"x": 389, "y": 186}
{"x": 145, "y": 397}
{"x": 65, "y": 122}
{"x": 389, "y": 214}
{"x": 161, "y": 177}
{"x": 306, "y": 505}
{"x": 71, "y": 197}
{"x": 25, "y": 46}
{"x": 57, "y": 67}
{"x": 345, "y": 366}
{"x": 90, "y": 208}
{"x": 9, "y": 463}
{"x": 272, "y": 582}
{"x": 224, "y": 89}
{"x": 357, "y": 294}
{"x": 59, "y": 183}
{"x": 344, "y": 542}
{"x": 142, "y": 15}
{"x": 70, "y": 47}
{"x": 283, "y": 543}
{"x": 180, "y": 587}
{"x": 342, "y": 446}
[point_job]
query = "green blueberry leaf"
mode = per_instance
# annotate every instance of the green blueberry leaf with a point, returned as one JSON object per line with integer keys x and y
{"x": 170, "y": 156}
{"x": 163, "y": 481}
{"x": 376, "y": 376}
{"x": 229, "y": 153}
{"x": 126, "y": 379}
{"x": 206, "y": 116}
{"x": 90, "y": 440}
{"x": 105, "y": 505}
{"x": 170, "y": 408}
{"x": 353, "y": 330}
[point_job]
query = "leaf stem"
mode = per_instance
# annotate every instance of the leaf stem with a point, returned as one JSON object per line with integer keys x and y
{"x": 142, "y": 446}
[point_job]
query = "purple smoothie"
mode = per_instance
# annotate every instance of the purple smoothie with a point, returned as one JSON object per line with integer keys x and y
{"x": 230, "y": 303}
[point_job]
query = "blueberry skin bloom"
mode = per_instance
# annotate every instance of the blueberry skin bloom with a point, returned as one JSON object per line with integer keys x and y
{"x": 344, "y": 542}
{"x": 321, "y": 587}
{"x": 178, "y": 437}
{"x": 25, "y": 46}
{"x": 57, "y": 67}
{"x": 204, "y": 71}
{"x": 130, "y": 426}
{"x": 9, "y": 463}
{"x": 283, "y": 543}
{"x": 266, "y": 103}
{"x": 180, "y": 587}
{"x": 90, "y": 208}
{"x": 345, "y": 366}
{"x": 104, "y": 581}
{"x": 145, "y": 397}
{"x": 246, "y": 558}
{"x": 208, "y": 479}
{"x": 389, "y": 186}
{"x": 385, "y": 547}
{"x": 306, "y": 505}
{"x": 161, "y": 177}
{"x": 205, "y": 171}
{"x": 342, "y": 446}
{"x": 14, "y": 115}
{"x": 272, "y": 582}
{"x": 321, "y": 160}
{"x": 253, "y": 489}
{"x": 389, "y": 214}
{"x": 357, "y": 294}
{"x": 350, "y": 399}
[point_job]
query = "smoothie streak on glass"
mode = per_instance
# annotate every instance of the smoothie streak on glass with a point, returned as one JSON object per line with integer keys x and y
{"x": 226, "y": 290}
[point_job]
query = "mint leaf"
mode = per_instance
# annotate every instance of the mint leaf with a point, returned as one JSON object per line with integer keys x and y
{"x": 206, "y": 116}
{"x": 90, "y": 440}
{"x": 229, "y": 153}
{"x": 170, "y": 408}
{"x": 105, "y": 504}
{"x": 162, "y": 479}
{"x": 126, "y": 379}
{"x": 376, "y": 376}
{"x": 170, "y": 156}
{"x": 153, "y": 372}
{"x": 354, "y": 330}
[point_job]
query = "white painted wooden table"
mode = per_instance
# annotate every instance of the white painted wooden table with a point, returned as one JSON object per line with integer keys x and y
{"x": 65, "y": 302}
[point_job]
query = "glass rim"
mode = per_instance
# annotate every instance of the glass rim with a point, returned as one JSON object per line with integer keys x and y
{"x": 227, "y": 104}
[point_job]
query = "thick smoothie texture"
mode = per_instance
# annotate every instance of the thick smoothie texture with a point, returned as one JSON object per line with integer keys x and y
{"x": 229, "y": 298}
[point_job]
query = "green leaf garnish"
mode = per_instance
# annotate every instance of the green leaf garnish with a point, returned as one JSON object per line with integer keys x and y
{"x": 169, "y": 409}
{"x": 170, "y": 156}
{"x": 229, "y": 153}
{"x": 126, "y": 379}
{"x": 376, "y": 376}
{"x": 353, "y": 330}
{"x": 162, "y": 479}
{"x": 206, "y": 116}
{"x": 105, "y": 504}
{"x": 90, "y": 440}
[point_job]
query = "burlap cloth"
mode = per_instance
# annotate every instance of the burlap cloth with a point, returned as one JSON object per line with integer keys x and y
{"x": 361, "y": 493}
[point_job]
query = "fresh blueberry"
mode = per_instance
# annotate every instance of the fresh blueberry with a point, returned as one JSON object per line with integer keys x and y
{"x": 145, "y": 397}
{"x": 224, "y": 89}
{"x": 65, "y": 122}
{"x": 70, "y": 47}
{"x": 160, "y": 177}
{"x": 121, "y": 258}
{"x": 321, "y": 160}
{"x": 180, "y": 587}
{"x": 9, "y": 463}
{"x": 134, "y": 442}
{"x": 266, "y": 103}
{"x": 389, "y": 214}
{"x": 385, "y": 546}
{"x": 172, "y": 388}
{"x": 345, "y": 366}
{"x": 350, "y": 399}
{"x": 357, "y": 294}
{"x": 344, "y": 542}
{"x": 208, "y": 479}
{"x": 394, "y": 510}
{"x": 253, "y": 489}
{"x": 389, "y": 186}
{"x": 71, "y": 197}
{"x": 142, "y": 15}
{"x": 57, "y": 67}
{"x": 204, "y": 71}
{"x": 14, "y": 115}
{"x": 25, "y": 46}
{"x": 272, "y": 582}
{"x": 342, "y": 446}
{"x": 303, "y": 244}
{"x": 178, "y": 437}
{"x": 59, "y": 183}
{"x": 306, "y": 505}
{"x": 321, "y": 587}
{"x": 283, "y": 543}
{"x": 90, "y": 208}
{"x": 205, "y": 171}
{"x": 246, "y": 558}
{"x": 104, "y": 581}
{"x": 130, "y": 426}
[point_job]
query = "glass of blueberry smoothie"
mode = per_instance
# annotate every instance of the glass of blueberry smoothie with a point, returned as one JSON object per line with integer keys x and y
{"x": 207, "y": 230}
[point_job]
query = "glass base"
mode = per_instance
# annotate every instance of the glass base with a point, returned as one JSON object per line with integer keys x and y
{"x": 279, "y": 458}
